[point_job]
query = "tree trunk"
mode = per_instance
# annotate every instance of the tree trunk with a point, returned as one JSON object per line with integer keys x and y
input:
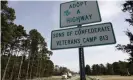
{"x": 3, "y": 78}
{"x": 128, "y": 72}
{"x": 12, "y": 72}
{"x": 13, "y": 67}
{"x": 20, "y": 67}
{"x": 28, "y": 68}
{"x": 31, "y": 67}
{"x": 38, "y": 65}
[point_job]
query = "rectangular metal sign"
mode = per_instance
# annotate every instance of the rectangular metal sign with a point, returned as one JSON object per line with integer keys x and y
{"x": 79, "y": 12}
{"x": 92, "y": 35}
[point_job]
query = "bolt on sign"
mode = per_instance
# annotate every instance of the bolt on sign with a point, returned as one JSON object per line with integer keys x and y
{"x": 92, "y": 35}
{"x": 74, "y": 13}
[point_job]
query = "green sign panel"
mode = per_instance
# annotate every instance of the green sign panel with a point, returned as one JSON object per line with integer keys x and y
{"x": 79, "y": 12}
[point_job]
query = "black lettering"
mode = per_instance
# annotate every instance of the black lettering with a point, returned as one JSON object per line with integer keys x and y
{"x": 85, "y": 2}
{"x": 106, "y": 37}
{"x": 90, "y": 16}
{"x": 82, "y": 31}
{"x": 69, "y": 33}
{"x": 78, "y": 40}
{"x": 69, "y": 42}
{"x": 91, "y": 39}
{"x": 82, "y": 18}
{"x": 78, "y": 19}
{"x": 76, "y": 32}
{"x": 95, "y": 38}
{"x": 99, "y": 29}
{"x": 68, "y": 20}
{"x": 65, "y": 42}
{"x": 74, "y": 5}
{"x": 84, "y": 40}
{"x": 58, "y": 43}
{"x": 60, "y": 34}
{"x": 53, "y": 35}
{"x": 74, "y": 19}
{"x": 88, "y": 30}
{"x": 92, "y": 30}
{"x": 81, "y": 3}
{"x": 75, "y": 41}
{"x": 103, "y": 29}
{"x": 70, "y": 6}
{"x": 78, "y": 4}
{"x": 102, "y": 38}
{"x": 95, "y": 30}
{"x": 86, "y": 17}
{"x": 108, "y": 29}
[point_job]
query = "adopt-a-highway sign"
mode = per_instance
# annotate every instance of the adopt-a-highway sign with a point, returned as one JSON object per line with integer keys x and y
{"x": 74, "y": 13}
{"x": 92, "y": 35}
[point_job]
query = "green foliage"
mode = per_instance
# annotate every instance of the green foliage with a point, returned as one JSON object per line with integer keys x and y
{"x": 7, "y": 18}
{"x": 116, "y": 68}
{"x": 128, "y": 7}
{"x": 59, "y": 70}
{"x": 110, "y": 70}
{"x": 98, "y": 69}
{"x": 27, "y": 53}
{"x": 88, "y": 70}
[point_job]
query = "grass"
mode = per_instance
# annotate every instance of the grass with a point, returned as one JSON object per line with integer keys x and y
{"x": 113, "y": 77}
{"x": 107, "y": 77}
{"x": 87, "y": 78}
{"x": 49, "y": 78}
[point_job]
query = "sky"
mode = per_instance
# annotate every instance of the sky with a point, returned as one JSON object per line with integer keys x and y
{"x": 44, "y": 16}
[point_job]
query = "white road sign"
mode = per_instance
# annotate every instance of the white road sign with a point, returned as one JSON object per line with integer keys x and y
{"x": 92, "y": 35}
{"x": 79, "y": 12}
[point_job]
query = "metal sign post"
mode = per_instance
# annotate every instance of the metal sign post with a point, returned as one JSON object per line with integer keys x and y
{"x": 81, "y": 62}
